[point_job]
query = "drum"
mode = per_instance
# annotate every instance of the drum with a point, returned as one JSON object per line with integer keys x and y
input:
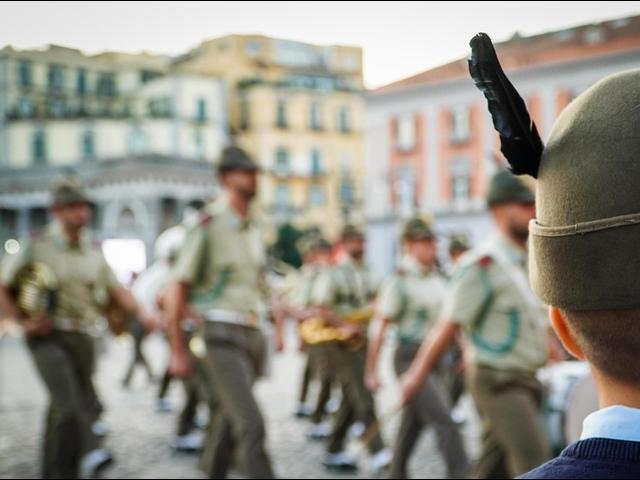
{"x": 571, "y": 397}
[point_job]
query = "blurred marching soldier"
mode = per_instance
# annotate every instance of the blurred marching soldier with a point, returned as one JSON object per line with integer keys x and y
{"x": 149, "y": 288}
{"x": 458, "y": 246}
{"x": 58, "y": 288}
{"x": 412, "y": 299}
{"x": 490, "y": 299}
{"x": 345, "y": 294}
{"x": 454, "y": 361}
{"x": 138, "y": 334}
{"x": 220, "y": 274}
{"x": 317, "y": 255}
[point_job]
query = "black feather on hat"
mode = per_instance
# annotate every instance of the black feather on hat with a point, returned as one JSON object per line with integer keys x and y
{"x": 519, "y": 139}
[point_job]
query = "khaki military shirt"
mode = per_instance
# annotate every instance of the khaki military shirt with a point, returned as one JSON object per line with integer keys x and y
{"x": 505, "y": 327}
{"x": 345, "y": 288}
{"x": 301, "y": 291}
{"x": 412, "y": 299}
{"x": 83, "y": 276}
{"x": 223, "y": 261}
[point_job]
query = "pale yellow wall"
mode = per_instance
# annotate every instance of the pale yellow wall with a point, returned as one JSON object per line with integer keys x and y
{"x": 263, "y": 138}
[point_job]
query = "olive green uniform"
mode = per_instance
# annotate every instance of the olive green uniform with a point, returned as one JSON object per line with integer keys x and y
{"x": 490, "y": 298}
{"x": 346, "y": 289}
{"x": 224, "y": 263}
{"x": 65, "y": 358}
{"x": 318, "y": 356}
{"x": 412, "y": 300}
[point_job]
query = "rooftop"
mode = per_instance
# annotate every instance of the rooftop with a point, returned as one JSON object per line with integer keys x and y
{"x": 584, "y": 41}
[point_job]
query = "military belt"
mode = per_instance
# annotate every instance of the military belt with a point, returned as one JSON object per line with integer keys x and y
{"x": 229, "y": 316}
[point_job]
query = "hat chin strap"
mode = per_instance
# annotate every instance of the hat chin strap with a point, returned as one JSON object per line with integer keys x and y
{"x": 585, "y": 227}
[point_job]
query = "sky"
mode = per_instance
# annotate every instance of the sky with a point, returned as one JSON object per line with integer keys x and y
{"x": 399, "y": 38}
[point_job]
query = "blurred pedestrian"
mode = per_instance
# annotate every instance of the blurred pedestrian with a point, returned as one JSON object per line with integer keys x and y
{"x": 57, "y": 288}
{"x": 221, "y": 275}
{"x": 412, "y": 299}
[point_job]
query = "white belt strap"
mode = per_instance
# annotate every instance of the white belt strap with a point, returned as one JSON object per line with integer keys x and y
{"x": 231, "y": 317}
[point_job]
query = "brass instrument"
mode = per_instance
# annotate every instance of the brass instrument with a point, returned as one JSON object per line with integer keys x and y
{"x": 315, "y": 330}
{"x": 36, "y": 290}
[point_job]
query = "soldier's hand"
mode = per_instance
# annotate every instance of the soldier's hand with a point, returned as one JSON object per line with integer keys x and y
{"x": 351, "y": 330}
{"x": 37, "y": 326}
{"x": 180, "y": 364}
{"x": 150, "y": 321}
{"x": 372, "y": 381}
{"x": 410, "y": 387}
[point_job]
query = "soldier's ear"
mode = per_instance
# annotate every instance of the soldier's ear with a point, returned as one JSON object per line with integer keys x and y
{"x": 560, "y": 326}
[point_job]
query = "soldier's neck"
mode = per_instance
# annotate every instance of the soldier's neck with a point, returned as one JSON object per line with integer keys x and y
{"x": 72, "y": 235}
{"x": 239, "y": 205}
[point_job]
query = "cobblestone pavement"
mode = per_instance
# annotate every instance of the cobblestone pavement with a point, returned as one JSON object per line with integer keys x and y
{"x": 139, "y": 436}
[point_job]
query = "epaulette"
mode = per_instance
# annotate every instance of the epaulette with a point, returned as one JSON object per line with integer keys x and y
{"x": 485, "y": 261}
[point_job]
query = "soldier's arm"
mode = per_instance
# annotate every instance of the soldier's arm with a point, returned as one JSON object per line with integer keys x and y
{"x": 463, "y": 300}
{"x": 388, "y": 308}
{"x": 437, "y": 343}
{"x": 186, "y": 272}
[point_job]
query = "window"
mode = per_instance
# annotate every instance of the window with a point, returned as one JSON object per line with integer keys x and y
{"x": 253, "y": 48}
{"x": 39, "y": 147}
{"x": 25, "y": 107}
{"x": 316, "y": 162}
{"x": 244, "y": 113}
{"x": 160, "y": 107}
{"x": 405, "y": 188}
{"x": 281, "y": 115}
{"x": 406, "y": 133}
{"x": 38, "y": 218}
{"x": 24, "y": 74}
{"x": 202, "y": 110}
{"x": 55, "y": 77}
{"x": 347, "y": 196}
{"x": 199, "y": 145}
{"x": 57, "y": 108}
{"x": 460, "y": 171}
{"x": 316, "y": 195}
{"x": 282, "y": 161}
{"x": 148, "y": 75}
{"x": 88, "y": 145}
{"x": 106, "y": 85}
{"x": 137, "y": 142}
{"x": 343, "y": 120}
{"x": 316, "y": 116}
{"x": 8, "y": 220}
{"x": 282, "y": 196}
{"x": 460, "y": 125}
{"x": 594, "y": 35}
{"x": 81, "y": 82}
{"x": 461, "y": 189}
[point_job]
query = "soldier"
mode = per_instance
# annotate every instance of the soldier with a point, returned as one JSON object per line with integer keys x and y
{"x": 458, "y": 246}
{"x": 454, "y": 362}
{"x": 411, "y": 299}
{"x": 584, "y": 251}
{"x": 220, "y": 273}
{"x": 60, "y": 338}
{"x": 317, "y": 253}
{"x": 345, "y": 294}
{"x": 490, "y": 299}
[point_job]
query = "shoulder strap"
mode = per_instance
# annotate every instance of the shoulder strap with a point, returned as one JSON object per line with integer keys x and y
{"x": 498, "y": 348}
